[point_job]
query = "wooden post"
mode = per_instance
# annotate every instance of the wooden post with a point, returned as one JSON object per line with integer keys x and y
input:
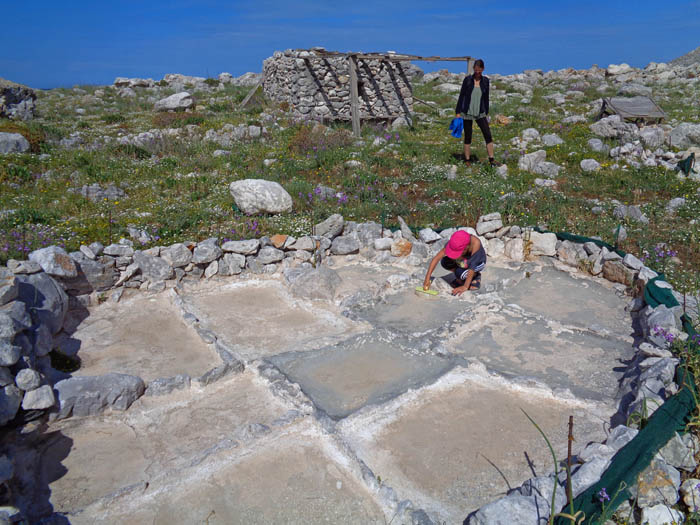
{"x": 470, "y": 66}
{"x": 354, "y": 97}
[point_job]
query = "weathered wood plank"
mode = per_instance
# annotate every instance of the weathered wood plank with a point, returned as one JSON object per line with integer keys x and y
{"x": 354, "y": 97}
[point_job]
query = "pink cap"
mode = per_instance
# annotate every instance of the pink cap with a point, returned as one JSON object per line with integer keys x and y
{"x": 457, "y": 243}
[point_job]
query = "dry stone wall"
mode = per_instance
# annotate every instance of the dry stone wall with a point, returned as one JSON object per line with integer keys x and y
{"x": 319, "y": 87}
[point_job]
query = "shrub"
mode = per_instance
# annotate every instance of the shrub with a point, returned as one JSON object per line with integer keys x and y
{"x": 212, "y": 82}
{"x": 114, "y": 118}
{"x": 177, "y": 120}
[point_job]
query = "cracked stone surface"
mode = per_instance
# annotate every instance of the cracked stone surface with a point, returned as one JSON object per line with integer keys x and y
{"x": 345, "y": 408}
{"x": 261, "y": 319}
{"x": 144, "y": 336}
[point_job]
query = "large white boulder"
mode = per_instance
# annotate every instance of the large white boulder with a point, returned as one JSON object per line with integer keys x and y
{"x": 260, "y": 196}
{"x": 12, "y": 143}
{"x": 176, "y": 102}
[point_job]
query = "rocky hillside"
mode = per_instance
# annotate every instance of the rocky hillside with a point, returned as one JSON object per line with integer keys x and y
{"x": 690, "y": 58}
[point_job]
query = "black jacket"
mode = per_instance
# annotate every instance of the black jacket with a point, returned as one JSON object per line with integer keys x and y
{"x": 465, "y": 95}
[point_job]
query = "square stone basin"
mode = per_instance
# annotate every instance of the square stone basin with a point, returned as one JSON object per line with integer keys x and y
{"x": 588, "y": 365}
{"x": 364, "y": 278}
{"x": 143, "y": 336}
{"x": 261, "y": 319}
{"x": 580, "y": 302}
{"x": 83, "y": 460}
{"x": 407, "y": 313}
{"x": 455, "y": 446}
{"x": 294, "y": 477}
{"x": 361, "y": 371}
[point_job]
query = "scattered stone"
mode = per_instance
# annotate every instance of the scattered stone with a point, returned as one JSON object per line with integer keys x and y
{"x": 691, "y": 493}
{"x": 674, "y": 204}
{"x": 16, "y": 101}
{"x": 406, "y": 232}
{"x": 548, "y": 169}
{"x": 177, "y": 102}
{"x": 679, "y": 452}
{"x": 91, "y": 395}
{"x": 513, "y": 510}
{"x": 632, "y": 212}
{"x": 39, "y": 399}
{"x": 260, "y": 196}
{"x": 597, "y": 145}
{"x": 552, "y": 139}
{"x": 652, "y": 137}
{"x": 589, "y": 165}
{"x": 685, "y": 135}
{"x": 528, "y": 161}
{"x": 9, "y": 353}
{"x": 27, "y": 379}
{"x": 12, "y": 143}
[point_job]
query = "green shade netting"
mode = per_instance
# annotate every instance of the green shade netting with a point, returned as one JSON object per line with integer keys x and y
{"x": 671, "y": 417}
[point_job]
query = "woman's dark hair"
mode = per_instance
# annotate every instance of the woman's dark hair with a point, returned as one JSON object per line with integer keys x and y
{"x": 480, "y": 63}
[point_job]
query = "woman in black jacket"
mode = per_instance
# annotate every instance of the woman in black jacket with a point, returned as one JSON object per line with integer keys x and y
{"x": 473, "y": 104}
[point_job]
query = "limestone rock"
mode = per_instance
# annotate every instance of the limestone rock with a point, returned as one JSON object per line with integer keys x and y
{"x": 589, "y": 165}
{"x": 9, "y": 353}
{"x": 177, "y": 102}
{"x": 231, "y": 264}
{"x": 269, "y": 255}
{"x": 10, "y": 399}
{"x": 12, "y": 143}
{"x": 153, "y": 268}
{"x": 27, "y": 379}
{"x": 206, "y": 251}
{"x": 45, "y": 297}
{"x": 260, "y": 196}
{"x": 652, "y": 137}
{"x": 248, "y": 247}
{"x": 16, "y": 100}
{"x": 614, "y": 127}
{"x": 176, "y": 255}
{"x": 119, "y": 250}
{"x": 543, "y": 244}
{"x": 345, "y": 244}
{"x": 548, "y": 169}
{"x": 691, "y": 493}
{"x": 39, "y": 399}
{"x": 162, "y": 386}
{"x": 91, "y": 395}
{"x": 401, "y": 248}
{"x": 657, "y": 484}
{"x": 661, "y": 514}
{"x": 685, "y": 135}
{"x": 528, "y": 161}
{"x": 383, "y": 244}
{"x": 427, "y": 235}
{"x": 9, "y": 287}
{"x": 331, "y": 227}
{"x": 512, "y": 510}
{"x": 617, "y": 272}
{"x": 406, "y": 231}
{"x": 316, "y": 283}
{"x": 514, "y": 249}
{"x": 54, "y": 261}
{"x": 552, "y": 139}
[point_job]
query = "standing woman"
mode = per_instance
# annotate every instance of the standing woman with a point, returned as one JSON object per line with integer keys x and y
{"x": 473, "y": 104}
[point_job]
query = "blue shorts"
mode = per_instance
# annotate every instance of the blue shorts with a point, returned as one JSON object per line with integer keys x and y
{"x": 476, "y": 263}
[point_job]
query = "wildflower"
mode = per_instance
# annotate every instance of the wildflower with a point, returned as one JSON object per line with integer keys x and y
{"x": 603, "y": 495}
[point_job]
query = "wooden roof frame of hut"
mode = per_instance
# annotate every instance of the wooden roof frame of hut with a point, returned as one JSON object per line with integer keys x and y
{"x": 391, "y": 56}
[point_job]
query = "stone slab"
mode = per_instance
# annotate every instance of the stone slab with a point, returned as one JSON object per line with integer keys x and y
{"x": 587, "y": 365}
{"x": 88, "y": 459}
{"x": 260, "y": 319}
{"x": 363, "y": 370}
{"x": 580, "y": 302}
{"x": 296, "y": 477}
{"x": 143, "y": 336}
{"x": 464, "y": 441}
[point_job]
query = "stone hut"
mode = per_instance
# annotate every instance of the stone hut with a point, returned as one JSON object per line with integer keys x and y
{"x": 318, "y": 84}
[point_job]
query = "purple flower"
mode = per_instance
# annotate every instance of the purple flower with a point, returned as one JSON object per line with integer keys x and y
{"x": 603, "y": 495}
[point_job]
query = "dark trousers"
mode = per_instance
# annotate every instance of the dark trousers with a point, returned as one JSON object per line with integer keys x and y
{"x": 483, "y": 126}
{"x": 460, "y": 273}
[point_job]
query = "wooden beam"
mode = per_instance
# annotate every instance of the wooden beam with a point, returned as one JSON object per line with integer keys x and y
{"x": 354, "y": 97}
{"x": 252, "y": 92}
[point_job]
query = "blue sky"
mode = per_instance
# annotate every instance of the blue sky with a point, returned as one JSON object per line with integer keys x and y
{"x": 49, "y": 43}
